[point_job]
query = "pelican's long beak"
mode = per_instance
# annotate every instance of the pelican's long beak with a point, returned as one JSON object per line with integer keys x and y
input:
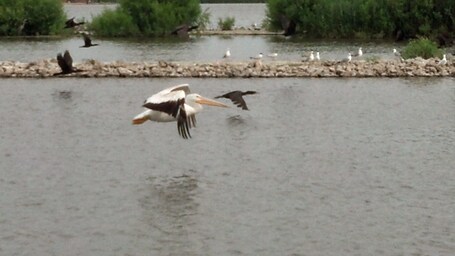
{"x": 205, "y": 101}
{"x": 141, "y": 118}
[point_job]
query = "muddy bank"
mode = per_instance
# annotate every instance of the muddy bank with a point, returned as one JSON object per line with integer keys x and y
{"x": 92, "y": 68}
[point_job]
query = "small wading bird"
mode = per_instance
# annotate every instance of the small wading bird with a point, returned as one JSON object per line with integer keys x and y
{"x": 71, "y": 23}
{"x": 65, "y": 63}
{"x": 236, "y": 98}
{"x": 87, "y": 41}
{"x": 317, "y": 56}
{"x": 176, "y": 103}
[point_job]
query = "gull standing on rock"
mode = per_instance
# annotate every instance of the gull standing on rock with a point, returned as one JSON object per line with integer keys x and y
{"x": 443, "y": 61}
{"x": 348, "y": 59}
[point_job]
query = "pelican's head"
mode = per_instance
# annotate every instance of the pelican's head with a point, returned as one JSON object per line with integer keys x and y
{"x": 142, "y": 117}
{"x": 192, "y": 98}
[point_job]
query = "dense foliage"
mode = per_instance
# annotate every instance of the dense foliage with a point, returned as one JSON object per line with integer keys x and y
{"x": 231, "y": 1}
{"x": 31, "y": 17}
{"x": 422, "y": 47}
{"x": 366, "y": 18}
{"x": 146, "y": 17}
{"x": 114, "y": 23}
{"x": 226, "y": 23}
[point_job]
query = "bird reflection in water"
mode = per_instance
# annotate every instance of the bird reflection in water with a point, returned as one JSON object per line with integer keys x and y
{"x": 235, "y": 120}
{"x": 168, "y": 210}
{"x": 64, "y": 95}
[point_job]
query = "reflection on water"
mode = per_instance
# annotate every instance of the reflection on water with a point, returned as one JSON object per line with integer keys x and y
{"x": 65, "y": 95}
{"x": 168, "y": 208}
{"x": 236, "y": 120}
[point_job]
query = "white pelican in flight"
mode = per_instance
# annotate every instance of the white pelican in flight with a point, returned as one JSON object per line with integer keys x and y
{"x": 175, "y": 104}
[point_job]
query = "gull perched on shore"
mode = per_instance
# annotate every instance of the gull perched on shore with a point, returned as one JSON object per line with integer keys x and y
{"x": 398, "y": 54}
{"x": 309, "y": 57}
{"x": 317, "y": 56}
{"x": 443, "y": 61}
{"x": 359, "y": 53}
{"x": 257, "y": 57}
{"x": 348, "y": 59}
{"x": 227, "y": 54}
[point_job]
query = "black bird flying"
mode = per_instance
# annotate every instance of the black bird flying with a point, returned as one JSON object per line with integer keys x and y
{"x": 66, "y": 64}
{"x": 87, "y": 41}
{"x": 236, "y": 98}
{"x": 71, "y": 23}
{"x": 183, "y": 30}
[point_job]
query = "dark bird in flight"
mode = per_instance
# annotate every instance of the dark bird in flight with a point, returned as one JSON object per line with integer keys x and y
{"x": 183, "y": 30}
{"x": 236, "y": 98}
{"x": 87, "y": 41}
{"x": 71, "y": 23}
{"x": 66, "y": 64}
{"x": 288, "y": 25}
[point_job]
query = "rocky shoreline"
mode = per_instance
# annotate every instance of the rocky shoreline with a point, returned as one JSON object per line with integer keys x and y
{"x": 229, "y": 69}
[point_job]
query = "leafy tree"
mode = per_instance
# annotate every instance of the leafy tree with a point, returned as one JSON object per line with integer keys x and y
{"x": 149, "y": 17}
{"x": 373, "y": 18}
{"x": 31, "y": 17}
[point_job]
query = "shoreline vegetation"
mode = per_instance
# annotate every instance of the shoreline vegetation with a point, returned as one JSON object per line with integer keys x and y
{"x": 417, "y": 67}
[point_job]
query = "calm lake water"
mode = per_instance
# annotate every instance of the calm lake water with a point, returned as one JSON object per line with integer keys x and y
{"x": 316, "y": 167}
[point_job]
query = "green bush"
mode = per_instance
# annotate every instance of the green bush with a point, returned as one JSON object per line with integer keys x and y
{"x": 226, "y": 24}
{"x": 150, "y": 17}
{"x": 422, "y": 47}
{"x": 203, "y": 20}
{"x": 31, "y": 17}
{"x": 375, "y": 18}
{"x": 114, "y": 23}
